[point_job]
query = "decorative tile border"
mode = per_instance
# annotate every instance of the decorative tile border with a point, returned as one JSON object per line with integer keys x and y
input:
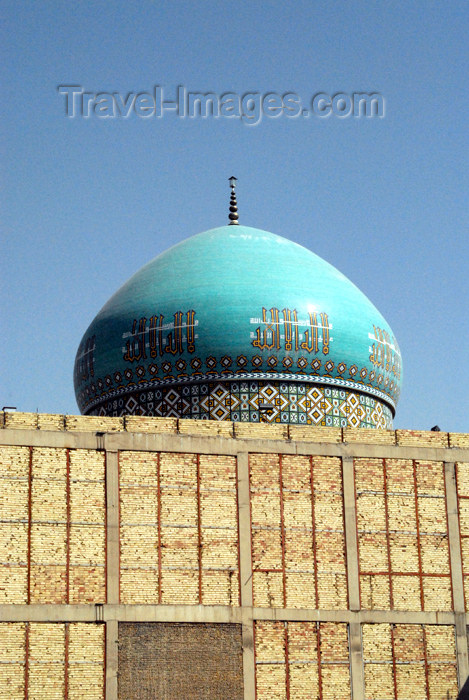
{"x": 253, "y": 401}
{"x": 122, "y": 382}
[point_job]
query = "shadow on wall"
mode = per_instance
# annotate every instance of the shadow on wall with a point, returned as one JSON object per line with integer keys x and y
{"x": 464, "y": 694}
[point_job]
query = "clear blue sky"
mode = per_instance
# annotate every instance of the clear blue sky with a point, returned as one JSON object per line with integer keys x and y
{"x": 88, "y": 202}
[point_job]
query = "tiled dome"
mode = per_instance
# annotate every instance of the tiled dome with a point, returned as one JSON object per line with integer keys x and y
{"x": 204, "y": 322}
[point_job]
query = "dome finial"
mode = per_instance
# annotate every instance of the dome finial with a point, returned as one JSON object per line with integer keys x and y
{"x": 233, "y": 215}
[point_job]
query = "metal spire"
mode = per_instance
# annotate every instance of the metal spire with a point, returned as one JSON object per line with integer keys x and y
{"x": 233, "y": 215}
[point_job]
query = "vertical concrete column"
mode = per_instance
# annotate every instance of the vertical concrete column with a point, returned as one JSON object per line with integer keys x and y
{"x": 456, "y": 571}
{"x": 112, "y": 659}
{"x": 245, "y": 575}
{"x": 112, "y": 569}
{"x": 356, "y": 661}
{"x": 351, "y": 543}
{"x": 353, "y": 579}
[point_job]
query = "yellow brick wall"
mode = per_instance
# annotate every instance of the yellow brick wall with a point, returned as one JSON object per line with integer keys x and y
{"x": 51, "y": 552}
{"x": 402, "y": 535}
{"x": 14, "y": 479}
{"x": 50, "y": 421}
{"x": 147, "y": 424}
{"x": 20, "y": 421}
{"x": 206, "y": 428}
{"x": 268, "y": 431}
{"x": 311, "y": 433}
{"x": 409, "y": 661}
{"x": 179, "y": 529}
{"x": 298, "y": 543}
{"x": 179, "y": 544}
{"x": 94, "y": 423}
{"x": 219, "y": 530}
{"x": 369, "y": 436}
{"x": 87, "y": 548}
{"x": 459, "y": 439}
{"x": 12, "y": 656}
{"x": 302, "y": 660}
{"x": 426, "y": 438}
{"x": 48, "y": 526}
{"x": 51, "y": 660}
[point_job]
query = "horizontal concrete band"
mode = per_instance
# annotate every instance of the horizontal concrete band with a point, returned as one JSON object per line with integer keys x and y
{"x": 224, "y": 445}
{"x": 212, "y": 613}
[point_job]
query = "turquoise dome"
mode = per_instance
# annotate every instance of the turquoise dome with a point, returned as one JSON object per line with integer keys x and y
{"x": 237, "y": 303}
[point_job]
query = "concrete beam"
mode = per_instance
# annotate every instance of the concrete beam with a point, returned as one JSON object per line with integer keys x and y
{"x": 173, "y": 613}
{"x": 222, "y": 445}
{"x": 212, "y": 613}
{"x": 376, "y": 616}
{"x": 50, "y": 612}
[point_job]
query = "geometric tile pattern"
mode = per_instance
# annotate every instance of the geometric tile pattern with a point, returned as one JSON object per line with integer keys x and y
{"x": 96, "y": 390}
{"x": 254, "y": 401}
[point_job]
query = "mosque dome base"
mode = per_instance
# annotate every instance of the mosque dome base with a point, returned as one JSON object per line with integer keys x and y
{"x": 251, "y": 401}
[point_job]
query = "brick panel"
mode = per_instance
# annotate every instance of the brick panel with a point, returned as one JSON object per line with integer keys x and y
{"x": 302, "y": 660}
{"x": 311, "y": 433}
{"x": 422, "y": 438}
{"x": 298, "y": 542}
{"x": 148, "y": 424}
{"x": 402, "y": 535}
{"x": 50, "y": 421}
{"x": 179, "y": 529}
{"x": 52, "y": 526}
{"x": 207, "y": 428}
{"x": 20, "y": 421}
{"x": 139, "y": 527}
{"x": 459, "y": 439}
{"x": 103, "y": 424}
{"x": 85, "y": 661}
{"x": 371, "y": 436}
{"x": 14, "y": 495}
{"x": 51, "y": 660}
{"x": 48, "y": 526}
{"x": 267, "y": 431}
{"x": 173, "y": 661}
{"x": 12, "y": 657}
{"x": 409, "y": 661}
{"x": 87, "y": 548}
